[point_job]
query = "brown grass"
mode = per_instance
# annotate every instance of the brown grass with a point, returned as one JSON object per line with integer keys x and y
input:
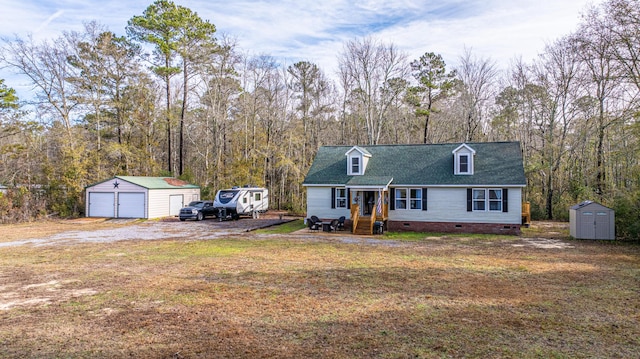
{"x": 308, "y": 296}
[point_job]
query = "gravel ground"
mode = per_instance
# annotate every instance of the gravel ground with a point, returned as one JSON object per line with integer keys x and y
{"x": 172, "y": 228}
{"x": 168, "y": 228}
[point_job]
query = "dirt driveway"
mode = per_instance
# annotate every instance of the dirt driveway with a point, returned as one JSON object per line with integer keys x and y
{"x": 547, "y": 236}
{"x": 131, "y": 229}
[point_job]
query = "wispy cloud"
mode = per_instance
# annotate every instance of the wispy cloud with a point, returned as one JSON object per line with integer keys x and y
{"x": 44, "y": 24}
{"x": 293, "y": 30}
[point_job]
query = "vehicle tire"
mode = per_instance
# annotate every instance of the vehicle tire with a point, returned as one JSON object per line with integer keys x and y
{"x": 199, "y": 216}
{"x": 182, "y": 219}
{"x": 236, "y": 217}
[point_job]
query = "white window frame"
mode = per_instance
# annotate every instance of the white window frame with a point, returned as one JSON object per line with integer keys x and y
{"x": 412, "y": 199}
{"x": 497, "y": 201}
{"x": 469, "y": 157}
{"x": 401, "y": 199}
{"x": 458, "y": 153}
{"x": 415, "y": 202}
{"x": 351, "y": 165}
{"x": 482, "y": 201}
{"x": 479, "y": 199}
{"x": 341, "y": 198}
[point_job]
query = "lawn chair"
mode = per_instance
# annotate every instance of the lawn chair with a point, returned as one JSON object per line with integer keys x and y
{"x": 315, "y": 219}
{"x": 333, "y": 226}
{"x": 340, "y": 226}
{"x": 313, "y": 226}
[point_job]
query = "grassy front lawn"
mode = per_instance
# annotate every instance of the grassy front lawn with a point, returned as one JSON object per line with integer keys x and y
{"x": 290, "y": 297}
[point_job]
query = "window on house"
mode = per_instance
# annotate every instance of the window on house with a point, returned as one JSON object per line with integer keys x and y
{"x": 355, "y": 165}
{"x": 401, "y": 198}
{"x": 487, "y": 199}
{"x": 479, "y": 196}
{"x": 416, "y": 198}
{"x": 464, "y": 164}
{"x": 495, "y": 200}
{"x": 341, "y": 198}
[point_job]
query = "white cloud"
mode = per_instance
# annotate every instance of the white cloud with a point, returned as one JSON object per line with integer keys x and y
{"x": 293, "y": 30}
{"x": 48, "y": 21}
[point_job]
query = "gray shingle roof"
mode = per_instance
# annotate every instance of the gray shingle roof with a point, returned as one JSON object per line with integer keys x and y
{"x": 495, "y": 163}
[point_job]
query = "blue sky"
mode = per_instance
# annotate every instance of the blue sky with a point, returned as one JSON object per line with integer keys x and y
{"x": 294, "y": 30}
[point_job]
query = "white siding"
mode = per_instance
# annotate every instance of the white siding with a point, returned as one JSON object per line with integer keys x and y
{"x": 443, "y": 204}
{"x": 123, "y": 186}
{"x": 319, "y": 204}
{"x": 450, "y": 205}
{"x": 160, "y": 201}
{"x": 109, "y": 187}
{"x": 157, "y": 201}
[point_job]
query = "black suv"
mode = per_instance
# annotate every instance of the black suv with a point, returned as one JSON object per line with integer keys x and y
{"x": 198, "y": 210}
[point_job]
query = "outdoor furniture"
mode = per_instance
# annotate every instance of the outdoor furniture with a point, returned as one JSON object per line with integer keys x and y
{"x": 313, "y": 226}
{"x": 315, "y": 219}
{"x": 340, "y": 226}
{"x": 333, "y": 226}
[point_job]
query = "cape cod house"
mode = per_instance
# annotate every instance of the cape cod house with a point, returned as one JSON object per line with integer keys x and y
{"x": 468, "y": 187}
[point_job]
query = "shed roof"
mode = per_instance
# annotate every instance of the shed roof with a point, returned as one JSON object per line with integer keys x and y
{"x": 496, "y": 163}
{"x": 584, "y": 204}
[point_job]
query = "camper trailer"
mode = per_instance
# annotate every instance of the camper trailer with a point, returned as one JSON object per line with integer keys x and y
{"x": 241, "y": 201}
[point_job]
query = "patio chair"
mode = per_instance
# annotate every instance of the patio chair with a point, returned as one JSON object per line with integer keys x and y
{"x": 315, "y": 219}
{"x": 333, "y": 226}
{"x": 313, "y": 225}
{"x": 340, "y": 226}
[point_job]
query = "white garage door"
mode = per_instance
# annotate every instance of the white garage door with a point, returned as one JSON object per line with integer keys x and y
{"x": 176, "y": 201}
{"x": 131, "y": 205}
{"x": 101, "y": 204}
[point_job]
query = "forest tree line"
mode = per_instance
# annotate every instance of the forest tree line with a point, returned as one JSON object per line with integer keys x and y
{"x": 171, "y": 98}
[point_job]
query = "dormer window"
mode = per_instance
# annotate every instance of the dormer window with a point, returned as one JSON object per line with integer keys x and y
{"x": 464, "y": 164}
{"x": 463, "y": 160}
{"x": 355, "y": 165}
{"x": 357, "y": 159}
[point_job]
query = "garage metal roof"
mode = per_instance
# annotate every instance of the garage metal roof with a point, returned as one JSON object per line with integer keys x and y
{"x": 153, "y": 182}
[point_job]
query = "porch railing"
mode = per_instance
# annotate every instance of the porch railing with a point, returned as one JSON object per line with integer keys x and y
{"x": 355, "y": 216}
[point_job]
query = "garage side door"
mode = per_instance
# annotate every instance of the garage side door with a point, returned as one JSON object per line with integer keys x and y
{"x": 176, "y": 201}
{"x": 101, "y": 204}
{"x": 131, "y": 205}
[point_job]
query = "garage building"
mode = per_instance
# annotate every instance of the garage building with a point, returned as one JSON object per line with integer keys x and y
{"x": 139, "y": 197}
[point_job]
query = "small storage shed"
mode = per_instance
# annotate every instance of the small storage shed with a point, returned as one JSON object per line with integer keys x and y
{"x": 139, "y": 197}
{"x": 591, "y": 220}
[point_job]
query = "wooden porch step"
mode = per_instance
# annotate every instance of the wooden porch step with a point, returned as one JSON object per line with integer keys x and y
{"x": 364, "y": 226}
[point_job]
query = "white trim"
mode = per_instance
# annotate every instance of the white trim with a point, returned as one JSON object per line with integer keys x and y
{"x": 464, "y": 145}
{"x": 460, "y": 151}
{"x": 350, "y": 165}
{"x": 408, "y": 198}
{"x": 360, "y": 150}
{"x": 487, "y": 200}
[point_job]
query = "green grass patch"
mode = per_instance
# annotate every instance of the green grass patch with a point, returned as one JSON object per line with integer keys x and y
{"x": 284, "y": 228}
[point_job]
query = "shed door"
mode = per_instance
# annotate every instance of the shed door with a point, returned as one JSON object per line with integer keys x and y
{"x": 602, "y": 225}
{"x": 587, "y": 226}
{"x": 176, "y": 201}
{"x": 131, "y": 205}
{"x": 101, "y": 204}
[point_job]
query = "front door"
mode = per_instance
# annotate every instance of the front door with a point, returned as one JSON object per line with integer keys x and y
{"x": 368, "y": 202}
